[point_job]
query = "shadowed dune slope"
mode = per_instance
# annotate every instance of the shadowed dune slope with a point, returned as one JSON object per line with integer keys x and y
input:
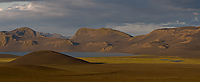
{"x": 46, "y": 57}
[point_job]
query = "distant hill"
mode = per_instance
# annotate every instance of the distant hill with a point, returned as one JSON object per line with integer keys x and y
{"x": 55, "y": 35}
{"x": 99, "y": 35}
{"x": 24, "y": 31}
{"x": 46, "y": 57}
{"x": 101, "y": 40}
{"x": 180, "y": 41}
{"x": 26, "y": 39}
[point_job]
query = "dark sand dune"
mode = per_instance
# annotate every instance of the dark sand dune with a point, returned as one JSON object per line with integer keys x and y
{"x": 46, "y": 57}
{"x": 8, "y": 56}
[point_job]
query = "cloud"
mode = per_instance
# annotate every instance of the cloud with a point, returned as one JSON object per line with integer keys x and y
{"x": 173, "y": 23}
{"x": 136, "y": 28}
{"x": 74, "y": 14}
{"x": 17, "y": 0}
{"x": 196, "y": 18}
{"x": 21, "y": 7}
{"x": 1, "y": 9}
{"x": 195, "y": 13}
{"x": 144, "y": 28}
{"x": 187, "y": 4}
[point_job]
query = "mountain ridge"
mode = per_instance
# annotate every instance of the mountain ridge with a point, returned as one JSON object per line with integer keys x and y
{"x": 99, "y": 35}
{"x": 164, "y": 41}
{"x": 24, "y": 31}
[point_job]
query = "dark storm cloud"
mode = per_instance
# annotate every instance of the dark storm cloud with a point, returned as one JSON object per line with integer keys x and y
{"x": 17, "y": 0}
{"x": 118, "y": 11}
{"x": 193, "y": 4}
{"x": 74, "y": 14}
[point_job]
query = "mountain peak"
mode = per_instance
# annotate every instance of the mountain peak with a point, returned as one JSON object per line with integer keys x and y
{"x": 101, "y": 34}
{"x": 24, "y": 31}
{"x": 100, "y": 31}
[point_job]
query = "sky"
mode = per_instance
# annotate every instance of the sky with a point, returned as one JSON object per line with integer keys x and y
{"x": 135, "y": 17}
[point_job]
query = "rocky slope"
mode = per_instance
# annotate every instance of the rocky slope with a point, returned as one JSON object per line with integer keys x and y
{"x": 99, "y": 35}
{"x": 168, "y": 41}
{"x": 101, "y": 40}
{"x": 25, "y": 39}
{"x": 22, "y": 32}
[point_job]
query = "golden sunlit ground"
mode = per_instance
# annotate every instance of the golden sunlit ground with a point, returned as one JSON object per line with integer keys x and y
{"x": 143, "y": 59}
{"x": 115, "y": 69}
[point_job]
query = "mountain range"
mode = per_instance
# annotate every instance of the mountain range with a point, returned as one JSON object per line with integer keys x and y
{"x": 180, "y": 41}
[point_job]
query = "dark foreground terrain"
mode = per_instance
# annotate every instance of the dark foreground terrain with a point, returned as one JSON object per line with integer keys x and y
{"x": 101, "y": 73}
{"x": 28, "y": 69}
